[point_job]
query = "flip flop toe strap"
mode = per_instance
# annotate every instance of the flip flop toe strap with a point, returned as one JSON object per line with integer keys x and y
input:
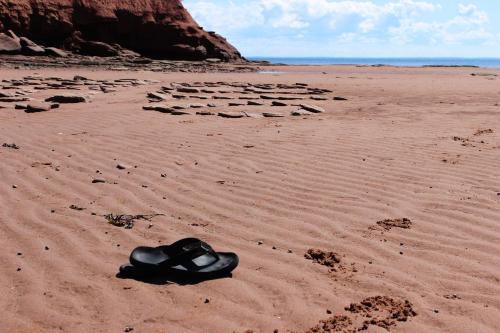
{"x": 186, "y": 256}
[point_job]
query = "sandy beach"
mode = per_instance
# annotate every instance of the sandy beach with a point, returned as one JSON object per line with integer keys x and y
{"x": 381, "y": 213}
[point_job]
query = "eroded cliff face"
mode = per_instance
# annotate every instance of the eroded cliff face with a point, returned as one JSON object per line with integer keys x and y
{"x": 154, "y": 28}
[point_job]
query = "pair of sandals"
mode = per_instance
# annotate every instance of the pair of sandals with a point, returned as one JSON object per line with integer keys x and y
{"x": 188, "y": 258}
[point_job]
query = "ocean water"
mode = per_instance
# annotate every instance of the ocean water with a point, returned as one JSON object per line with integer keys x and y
{"x": 412, "y": 62}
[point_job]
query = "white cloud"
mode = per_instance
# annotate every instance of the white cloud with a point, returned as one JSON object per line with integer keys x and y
{"x": 232, "y": 16}
{"x": 347, "y": 21}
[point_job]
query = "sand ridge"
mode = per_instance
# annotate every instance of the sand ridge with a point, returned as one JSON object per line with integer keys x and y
{"x": 268, "y": 189}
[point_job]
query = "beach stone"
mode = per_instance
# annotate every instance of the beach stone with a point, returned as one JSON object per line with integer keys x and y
{"x": 205, "y": 113}
{"x": 272, "y": 115}
{"x": 12, "y": 35}
{"x": 338, "y": 98}
{"x": 30, "y": 48}
{"x": 66, "y": 99}
{"x": 221, "y": 97}
{"x": 278, "y": 103}
{"x": 9, "y": 44}
{"x": 165, "y": 109}
{"x": 107, "y": 90}
{"x": 213, "y": 60}
{"x": 157, "y": 96}
{"x": 14, "y": 99}
{"x": 197, "y": 106}
{"x": 319, "y": 98}
{"x": 38, "y": 107}
{"x": 230, "y": 114}
{"x": 95, "y": 48}
{"x": 188, "y": 90}
{"x": 6, "y": 94}
{"x": 236, "y": 104}
{"x": 55, "y": 52}
{"x": 212, "y": 105}
{"x": 253, "y": 115}
{"x": 312, "y": 108}
{"x": 121, "y": 166}
{"x": 179, "y": 113}
{"x": 301, "y": 112}
{"x": 21, "y": 106}
{"x": 291, "y": 98}
{"x": 254, "y": 103}
{"x": 159, "y": 108}
{"x": 266, "y": 97}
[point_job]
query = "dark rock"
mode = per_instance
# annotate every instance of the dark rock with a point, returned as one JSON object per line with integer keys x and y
{"x": 159, "y": 108}
{"x": 236, "y": 104}
{"x": 157, "y": 96}
{"x": 179, "y": 113}
{"x": 39, "y": 107}
{"x": 30, "y": 48}
{"x": 55, "y": 52}
{"x": 21, "y": 106}
{"x": 272, "y": 115}
{"x": 231, "y": 114}
{"x": 197, "y": 106}
{"x": 5, "y": 94}
{"x": 66, "y": 99}
{"x": 213, "y": 60}
{"x": 301, "y": 112}
{"x": 33, "y": 50}
{"x": 312, "y": 108}
{"x": 79, "y": 44}
{"x": 254, "y": 103}
{"x": 14, "y": 99}
{"x": 188, "y": 90}
{"x": 205, "y": 113}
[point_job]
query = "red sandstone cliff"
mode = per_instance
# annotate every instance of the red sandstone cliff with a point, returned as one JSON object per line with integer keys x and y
{"x": 154, "y": 28}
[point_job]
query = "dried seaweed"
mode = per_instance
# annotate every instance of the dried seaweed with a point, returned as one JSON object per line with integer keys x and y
{"x": 10, "y": 145}
{"x": 127, "y": 221}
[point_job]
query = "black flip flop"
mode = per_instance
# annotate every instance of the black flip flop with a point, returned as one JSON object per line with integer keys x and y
{"x": 188, "y": 257}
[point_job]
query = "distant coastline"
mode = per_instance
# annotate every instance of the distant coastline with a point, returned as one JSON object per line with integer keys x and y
{"x": 403, "y": 62}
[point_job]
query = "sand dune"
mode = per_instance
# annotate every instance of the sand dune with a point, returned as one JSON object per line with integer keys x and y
{"x": 268, "y": 189}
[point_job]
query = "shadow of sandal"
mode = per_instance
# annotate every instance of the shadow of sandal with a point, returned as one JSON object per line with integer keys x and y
{"x": 128, "y": 271}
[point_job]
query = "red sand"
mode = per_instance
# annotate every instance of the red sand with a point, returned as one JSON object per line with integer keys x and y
{"x": 292, "y": 183}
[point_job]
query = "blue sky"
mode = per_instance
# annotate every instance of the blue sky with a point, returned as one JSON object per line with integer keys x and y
{"x": 350, "y": 28}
